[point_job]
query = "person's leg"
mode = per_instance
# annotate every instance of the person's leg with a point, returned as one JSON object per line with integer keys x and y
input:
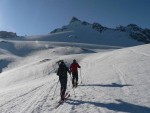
{"x": 73, "y": 80}
{"x": 61, "y": 86}
{"x": 63, "y": 89}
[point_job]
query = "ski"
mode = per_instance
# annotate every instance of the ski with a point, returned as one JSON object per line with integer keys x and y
{"x": 67, "y": 95}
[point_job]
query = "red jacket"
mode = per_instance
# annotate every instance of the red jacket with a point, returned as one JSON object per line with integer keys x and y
{"x": 74, "y": 67}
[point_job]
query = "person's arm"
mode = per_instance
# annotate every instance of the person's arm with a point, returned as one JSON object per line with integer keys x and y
{"x": 78, "y": 65}
{"x": 68, "y": 70}
{"x": 58, "y": 72}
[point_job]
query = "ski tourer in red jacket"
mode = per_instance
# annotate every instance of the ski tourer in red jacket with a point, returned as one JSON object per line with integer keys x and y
{"x": 74, "y": 70}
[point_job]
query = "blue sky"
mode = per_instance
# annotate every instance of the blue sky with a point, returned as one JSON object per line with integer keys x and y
{"x": 33, "y": 17}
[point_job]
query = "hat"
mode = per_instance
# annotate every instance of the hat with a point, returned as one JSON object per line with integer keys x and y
{"x": 74, "y": 60}
{"x": 60, "y": 61}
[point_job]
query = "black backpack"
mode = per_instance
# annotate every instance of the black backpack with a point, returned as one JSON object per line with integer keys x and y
{"x": 62, "y": 71}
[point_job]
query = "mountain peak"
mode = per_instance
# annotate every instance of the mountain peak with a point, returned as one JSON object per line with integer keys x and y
{"x": 74, "y": 19}
{"x": 134, "y": 27}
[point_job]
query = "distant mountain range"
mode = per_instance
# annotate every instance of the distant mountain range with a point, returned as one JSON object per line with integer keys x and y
{"x": 83, "y": 32}
{"x": 132, "y": 30}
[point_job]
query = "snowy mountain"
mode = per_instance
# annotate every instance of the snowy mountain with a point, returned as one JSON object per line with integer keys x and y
{"x": 83, "y": 32}
{"x": 137, "y": 33}
{"x": 107, "y": 36}
{"x": 75, "y": 22}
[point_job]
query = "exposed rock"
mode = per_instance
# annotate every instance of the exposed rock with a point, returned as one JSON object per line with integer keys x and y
{"x": 85, "y": 23}
{"x": 74, "y": 19}
{"x": 5, "y": 34}
{"x": 98, "y": 27}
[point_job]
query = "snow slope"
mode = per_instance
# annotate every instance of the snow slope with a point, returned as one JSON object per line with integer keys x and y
{"x": 85, "y": 34}
{"x": 113, "y": 80}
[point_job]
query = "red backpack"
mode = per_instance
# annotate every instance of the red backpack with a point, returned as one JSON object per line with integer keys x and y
{"x": 74, "y": 66}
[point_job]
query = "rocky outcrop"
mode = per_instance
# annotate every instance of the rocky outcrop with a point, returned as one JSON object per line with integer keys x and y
{"x": 5, "y": 34}
{"x": 74, "y": 19}
{"x": 98, "y": 27}
{"x": 136, "y": 32}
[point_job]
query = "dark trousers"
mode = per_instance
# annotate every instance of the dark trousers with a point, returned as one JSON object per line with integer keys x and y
{"x": 74, "y": 78}
{"x": 63, "y": 84}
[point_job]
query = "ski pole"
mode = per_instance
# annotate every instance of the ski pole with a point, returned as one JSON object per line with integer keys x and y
{"x": 73, "y": 88}
{"x": 81, "y": 76}
{"x": 70, "y": 82}
{"x": 55, "y": 90}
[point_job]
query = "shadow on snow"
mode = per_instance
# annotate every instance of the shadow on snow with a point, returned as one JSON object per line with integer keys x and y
{"x": 107, "y": 85}
{"x": 121, "y": 106}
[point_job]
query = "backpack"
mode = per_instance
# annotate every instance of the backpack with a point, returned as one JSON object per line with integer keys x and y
{"x": 62, "y": 71}
{"x": 74, "y": 67}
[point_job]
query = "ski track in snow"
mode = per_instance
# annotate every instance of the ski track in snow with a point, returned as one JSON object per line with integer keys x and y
{"x": 17, "y": 101}
{"x": 37, "y": 103}
{"x": 31, "y": 101}
{"x": 139, "y": 52}
{"x": 122, "y": 78}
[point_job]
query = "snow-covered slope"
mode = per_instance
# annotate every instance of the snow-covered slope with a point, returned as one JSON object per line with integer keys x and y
{"x": 112, "y": 81}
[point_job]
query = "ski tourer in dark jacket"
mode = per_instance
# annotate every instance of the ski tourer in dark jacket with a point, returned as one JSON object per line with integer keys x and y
{"x": 62, "y": 73}
{"x": 74, "y": 70}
